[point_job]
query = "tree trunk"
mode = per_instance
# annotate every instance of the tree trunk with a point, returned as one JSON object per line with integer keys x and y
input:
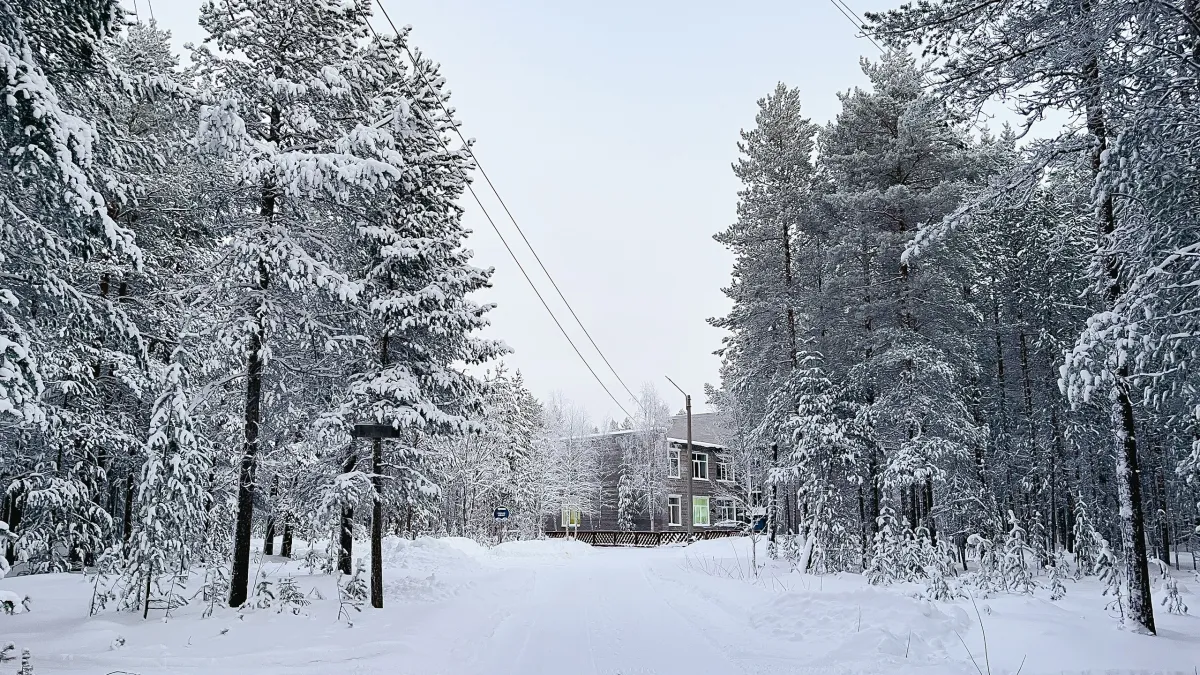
{"x": 127, "y": 514}
{"x": 285, "y": 548}
{"x": 239, "y": 578}
{"x": 346, "y": 525}
{"x": 1128, "y": 477}
{"x": 1160, "y": 495}
{"x": 269, "y": 537}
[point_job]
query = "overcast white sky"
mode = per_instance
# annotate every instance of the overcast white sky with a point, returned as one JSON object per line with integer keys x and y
{"x": 609, "y": 128}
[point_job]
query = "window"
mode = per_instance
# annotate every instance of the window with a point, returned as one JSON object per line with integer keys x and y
{"x": 724, "y": 510}
{"x": 724, "y": 469}
{"x": 674, "y": 510}
{"x": 756, "y": 497}
{"x": 700, "y": 465}
{"x": 673, "y": 462}
{"x": 570, "y": 517}
{"x": 700, "y": 511}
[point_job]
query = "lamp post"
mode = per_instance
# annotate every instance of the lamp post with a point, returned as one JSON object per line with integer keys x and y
{"x": 692, "y": 509}
{"x": 376, "y": 432}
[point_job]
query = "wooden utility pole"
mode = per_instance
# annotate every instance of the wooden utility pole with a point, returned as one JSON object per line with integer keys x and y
{"x": 377, "y": 525}
{"x": 691, "y": 513}
{"x": 690, "y": 470}
{"x": 773, "y": 513}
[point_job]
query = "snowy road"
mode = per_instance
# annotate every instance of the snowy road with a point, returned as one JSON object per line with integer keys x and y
{"x": 598, "y": 615}
{"x": 549, "y": 608}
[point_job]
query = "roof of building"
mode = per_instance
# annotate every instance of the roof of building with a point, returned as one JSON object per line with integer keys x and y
{"x": 706, "y": 430}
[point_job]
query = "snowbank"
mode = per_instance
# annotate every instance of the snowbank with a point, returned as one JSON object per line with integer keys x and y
{"x": 427, "y": 555}
{"x": 862, "y": 625}
{"x": 542, "y": 548}
{"x": 739, "y": 548}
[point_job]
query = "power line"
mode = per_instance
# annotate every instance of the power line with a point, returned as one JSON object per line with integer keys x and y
{"x": 491, "y": 222}
{"x": 508, "y": 212}
{"x": 855, "y": 19}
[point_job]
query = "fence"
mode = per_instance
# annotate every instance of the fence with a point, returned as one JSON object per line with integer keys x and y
{"x": 643, "y": 539}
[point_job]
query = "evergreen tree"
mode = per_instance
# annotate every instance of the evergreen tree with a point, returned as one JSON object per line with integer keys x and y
{"x": 291, "y": 90}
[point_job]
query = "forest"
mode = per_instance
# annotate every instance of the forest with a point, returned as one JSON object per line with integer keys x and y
{"x": 948, "y": 328}
{"x": 947, "y": 331}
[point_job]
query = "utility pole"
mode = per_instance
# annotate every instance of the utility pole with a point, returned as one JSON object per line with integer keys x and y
{"x": 691, "y": 513}
{"x": 773, "y": 512}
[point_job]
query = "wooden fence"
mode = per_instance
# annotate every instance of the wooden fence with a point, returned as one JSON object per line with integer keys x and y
{"x": 616, "y": 538}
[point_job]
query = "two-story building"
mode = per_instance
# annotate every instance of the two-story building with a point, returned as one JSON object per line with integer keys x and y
{"x": 718, "y": 499}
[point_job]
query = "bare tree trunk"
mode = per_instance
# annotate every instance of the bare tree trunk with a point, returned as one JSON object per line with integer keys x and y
{"x": 1128, "y": 477}
{"x": 127, "y": 514}
{"x": 346, "y": 524}
{"x": 285, "y": 547}
{"x": 269, "y": 535}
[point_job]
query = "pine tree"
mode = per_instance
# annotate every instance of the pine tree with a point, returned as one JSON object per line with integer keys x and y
{"x": 291, "y": 113}
{"x": 1110, "y": 576}
{"x": 1080, "y": 65}
{"x": 776, "y": 172}
{"x": 1058, "y": 570}
{"x": 1017, "y": 553}
{"x": 1084, "y": 534}
{"x": 171, "y": 520}
{"x": 625, "y": 503}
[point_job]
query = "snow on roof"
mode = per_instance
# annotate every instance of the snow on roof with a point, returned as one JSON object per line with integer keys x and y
{"x": 605, "y": 434}
{"x": 707, "y": 430}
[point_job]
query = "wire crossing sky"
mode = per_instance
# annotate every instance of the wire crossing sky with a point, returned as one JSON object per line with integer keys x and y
{"x": 609, "y": 131}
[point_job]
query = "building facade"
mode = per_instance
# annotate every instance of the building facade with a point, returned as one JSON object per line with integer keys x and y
{"x": 658, "y": 466}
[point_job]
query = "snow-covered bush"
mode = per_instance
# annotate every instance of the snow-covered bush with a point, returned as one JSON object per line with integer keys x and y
{"x": 11, "y": 603}
{"x": 1017, "y": 554}
{"x": 883, "y": 565}
{"x": 352, "y": 593}
{"x": 290, "y": 597}
{"x": 1084, "y": 535}
{"x": 1058, "y": 571}
{"x": 264, "y": 594}
{"x": 1172, "y": 599}
{"x": 1109, "y": 572}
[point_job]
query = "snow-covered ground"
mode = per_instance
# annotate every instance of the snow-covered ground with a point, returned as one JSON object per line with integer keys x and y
{"x": 563, "y": 608}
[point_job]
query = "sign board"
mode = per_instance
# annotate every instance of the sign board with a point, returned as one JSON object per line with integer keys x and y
{"x": 375, "y": 431}
{"x": 500, "y": 513}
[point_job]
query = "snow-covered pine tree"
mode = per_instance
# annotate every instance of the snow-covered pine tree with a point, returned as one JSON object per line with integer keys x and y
{"x": 1110, "y": 575}
{"x": 626, "y": 503}
{"x": 1084, "y": 535}
{"x": 60, "y": 201}
{"x": 292, "y": 91}
{"x": 1058, "y": 571}
{"x": 898, "y": 157}
{"x": 1017, "y": 557}
{"x": 1080, "y": 64}
{"x": 883, "y": 565}
{"x": 821, "y": 455}
{"x": 171, "y": 521}
{"x": 776, "y": 172}
{"x": 420, "y": 322}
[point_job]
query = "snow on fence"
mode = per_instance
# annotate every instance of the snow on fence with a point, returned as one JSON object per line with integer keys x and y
{"x": 617, "y": 538}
